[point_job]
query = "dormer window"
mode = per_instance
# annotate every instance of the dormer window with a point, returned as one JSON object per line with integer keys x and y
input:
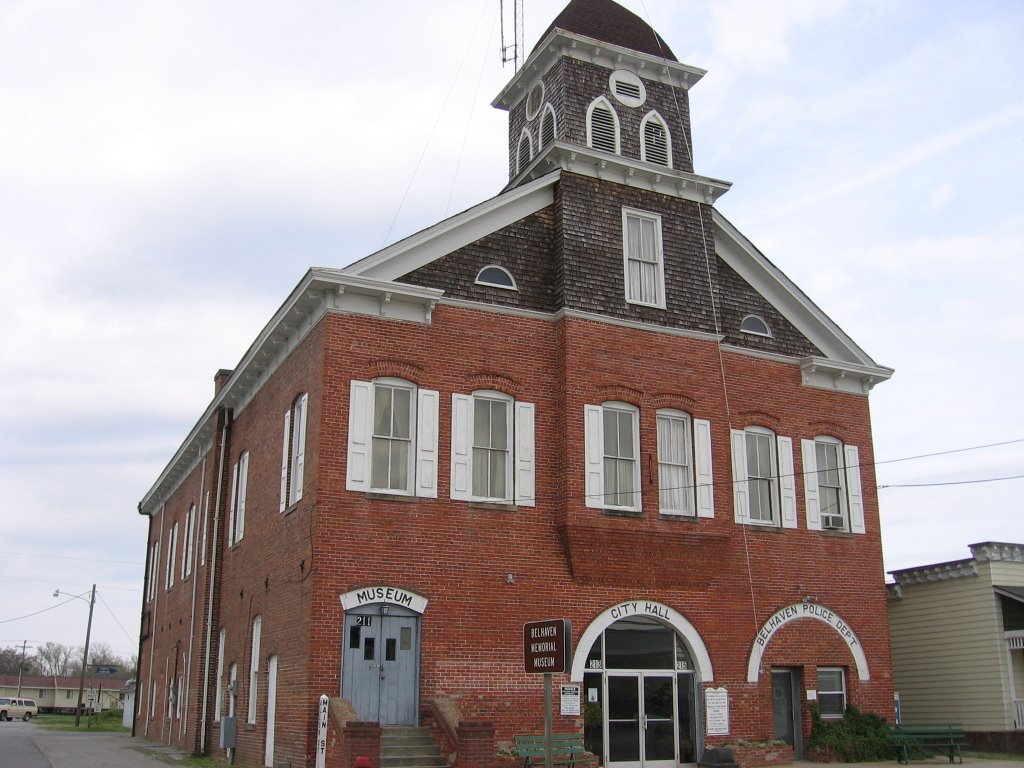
{"x": 525, "y": 152}
{"x": 627, "y": 88}
{"x": 603, "y": 126}
{"x": 494, "y": 276}
{"x": 755, "y": 326}
{"x": 655, "y": 147}
{"x": 547, "y": 126}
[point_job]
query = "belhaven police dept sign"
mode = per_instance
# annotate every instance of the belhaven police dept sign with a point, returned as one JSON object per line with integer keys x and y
{"x": 547, "y": 646}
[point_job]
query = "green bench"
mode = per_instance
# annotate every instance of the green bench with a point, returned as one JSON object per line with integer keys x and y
{"x": 913, "y": 740}
{"x": 566, "y": 749}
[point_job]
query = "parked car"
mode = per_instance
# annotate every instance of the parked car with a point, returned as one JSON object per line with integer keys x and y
{"x": 10, "y": 708}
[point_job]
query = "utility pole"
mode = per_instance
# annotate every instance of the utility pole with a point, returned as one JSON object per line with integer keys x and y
{"x": 21, "y": 667}
{"x": 85, "y": 658}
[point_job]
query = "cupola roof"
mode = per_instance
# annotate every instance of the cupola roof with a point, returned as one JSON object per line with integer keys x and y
{"x": 609, "y": 22}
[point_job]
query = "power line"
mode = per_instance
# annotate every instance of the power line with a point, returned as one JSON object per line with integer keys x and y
{"x": 66, "y": 557}
{"x": 100, "y": 596}
{"x": 951, "y": 482}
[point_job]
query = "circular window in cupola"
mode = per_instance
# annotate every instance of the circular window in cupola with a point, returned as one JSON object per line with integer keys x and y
{"x": 627, "y": 88}
{"x": 534, "y": 100}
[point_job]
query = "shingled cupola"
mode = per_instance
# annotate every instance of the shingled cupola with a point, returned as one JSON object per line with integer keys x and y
{"x": 603, "y": 95}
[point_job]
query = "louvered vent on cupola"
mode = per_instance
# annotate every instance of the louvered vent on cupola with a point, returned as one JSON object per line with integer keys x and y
{"x": 525, "y": 153}
{"x": 656, "y": 143}
{"x": 603, "y": 128}
{"x": 547, "y": 126}
{"x": 627, "y": 90}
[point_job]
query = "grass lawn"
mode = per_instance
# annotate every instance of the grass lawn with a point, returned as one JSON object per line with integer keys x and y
{"x": 104, "y": 722}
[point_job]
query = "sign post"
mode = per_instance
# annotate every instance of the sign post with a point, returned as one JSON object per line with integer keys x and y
{"x": 547, "y": 646}
{"x": 321, "y": 731}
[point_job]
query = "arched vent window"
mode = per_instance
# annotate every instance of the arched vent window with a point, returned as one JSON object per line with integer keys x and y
{"x": 534, "y": 100}
{"x": 656, "y": 147}
{"x": 603, "y": 126}
{"x": 525, "y": 152}
{"x": 547, "y": 126}
{"x": 755, "y": 325}
{"x": 496, "y": 277}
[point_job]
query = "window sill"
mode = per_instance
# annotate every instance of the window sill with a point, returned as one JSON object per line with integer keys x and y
{"x": 377, "y": 496}
{"x": 838, "y": 535}
{"x": 622, "y": 512}
{"x": 677, "y": 517}
{"x": 288, "y": 510}
{"x": 767, "y": 527}
{"x": 494, "y": 506}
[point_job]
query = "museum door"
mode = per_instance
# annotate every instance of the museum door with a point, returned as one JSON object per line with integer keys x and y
{"x": 641, "y": 720}
{"x": 380, "y": 672}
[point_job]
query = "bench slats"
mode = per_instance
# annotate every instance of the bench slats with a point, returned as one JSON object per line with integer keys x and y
{"x": 937, "y": 738}
{"x": 566, "y": 749}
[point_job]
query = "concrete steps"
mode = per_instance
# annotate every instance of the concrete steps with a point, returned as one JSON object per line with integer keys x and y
{"x": 402, "y": 747}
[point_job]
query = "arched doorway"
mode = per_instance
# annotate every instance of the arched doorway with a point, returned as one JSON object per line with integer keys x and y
{"x": 642, "y": 695}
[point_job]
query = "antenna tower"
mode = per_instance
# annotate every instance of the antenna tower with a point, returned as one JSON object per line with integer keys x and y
{"x": 513, "y": 51}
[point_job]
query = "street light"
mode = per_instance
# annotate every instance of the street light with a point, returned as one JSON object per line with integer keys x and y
{"x": 85, "y": 655}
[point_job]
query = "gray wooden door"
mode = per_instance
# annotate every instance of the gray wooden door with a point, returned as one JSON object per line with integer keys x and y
{"x": 380, "y": 675}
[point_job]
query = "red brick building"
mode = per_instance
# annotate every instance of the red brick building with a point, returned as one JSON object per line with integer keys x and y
{"x": 589, "y": 397}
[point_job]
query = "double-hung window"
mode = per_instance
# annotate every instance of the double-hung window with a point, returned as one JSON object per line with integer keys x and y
{"x": 190, "y": 532}
{"x": 764, "y": 489}
{"x": 154, "y": 567}
{"x": 684, "y": 465}
{"x": 832, "y": 487}
{"x": 392, "y": 438}
{"x": 172, "y": 550}
{"x": 831, "y": 691}
{"x": 239, "y": 493}
{"x": 492, "y": 449}
{"x": 612, "y": 451}
{"x": 642, "y": 253}
{"x": 293, "y": 452}
{"x": 254, "y": 670}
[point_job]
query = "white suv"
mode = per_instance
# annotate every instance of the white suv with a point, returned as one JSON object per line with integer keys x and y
{"x": 26, "y": 709}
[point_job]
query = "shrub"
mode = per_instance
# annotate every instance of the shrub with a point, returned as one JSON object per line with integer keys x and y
{"x": 859, "y": 737}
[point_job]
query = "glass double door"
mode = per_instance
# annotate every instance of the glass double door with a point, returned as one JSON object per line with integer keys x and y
{"x": 642, "y": 718}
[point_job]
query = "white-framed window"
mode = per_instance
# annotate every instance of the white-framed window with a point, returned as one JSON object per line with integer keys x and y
{"x": 602, "y": 126}
{"x": 392, "y": 438}
{"x": 492, "y": 448}
{"x": 206, "y": 513}
{"x": 534, "y": 99}
{"x": 655, "y": 141}
{"x": 494, "y": 276}
{"x": 764, "y": 487}
{"x": 254, "y": 669}
{"x": 642, "y": 258}
{"x": 179, "y": 697}
{"x": 833, "y": 499}
{"x": 524, "y": 154}
{"x": 831, "y": 691}
{"x": 293, "y": 452}
{"x": 755, "y": 325}
{"x": 232, "y": 688}
{"x": 154, "y": 567}
{"x": 239, "y": 494}
{"x": 548, "y": 126}
{"x": 612, "y": 451}
{"x": 190, "y": 530}
{"x": 218, "y": 708}
{"x": 172, "y": 551}
{"x": 627, "y": 88}
{"x": 685, "y": 482}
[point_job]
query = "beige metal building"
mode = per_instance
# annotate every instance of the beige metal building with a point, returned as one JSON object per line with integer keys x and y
{"x": 957, "y": 634}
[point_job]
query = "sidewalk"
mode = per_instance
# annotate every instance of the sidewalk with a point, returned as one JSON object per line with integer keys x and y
{"x": 69, "y": 749}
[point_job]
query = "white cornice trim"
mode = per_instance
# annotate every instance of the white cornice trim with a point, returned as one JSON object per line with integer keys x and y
{"x": 595, "y": 164}
{"x": 839, "y": 350}
{"x": 560, "y": 43}
{"x": 639, "y": 326}
{"x": 456, "y": 232}
{"x": 998, "y": 551}
{"x": 319, "y": 291}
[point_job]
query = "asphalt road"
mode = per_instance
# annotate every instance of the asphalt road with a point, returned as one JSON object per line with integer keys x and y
{"x": 26, "y": 745}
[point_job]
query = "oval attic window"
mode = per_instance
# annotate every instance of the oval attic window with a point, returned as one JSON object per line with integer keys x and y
{"x": 755, "y": 325}
{"x": 496, "y": 277}
{"x": 534, "y": 100}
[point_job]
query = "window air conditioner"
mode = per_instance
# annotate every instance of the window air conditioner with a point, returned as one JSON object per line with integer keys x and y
{"x": 832, "y": 522}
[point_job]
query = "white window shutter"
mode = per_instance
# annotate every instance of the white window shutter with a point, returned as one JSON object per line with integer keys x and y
{"x": 703, "y": 478}
{"x": 234, "y": 505}
{"x": 360, "y": 436}
{"x": 787, "y": 481}
{"x": 285, "y": 454}
{"x": 426, "y": 443}
{"x": 525, "y": 463}
{"x": 243, "y": 488}
{"x": 740, "y": 500}
{"x": 299, "y": 441}
{"x": 812, "y": 504}
{"x": 853, "y": 489}
{"x": 593, "y": 423}
{"x": 462, "y": 447}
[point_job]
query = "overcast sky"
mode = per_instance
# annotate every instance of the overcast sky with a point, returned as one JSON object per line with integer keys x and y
{"x": 169, "y": 170}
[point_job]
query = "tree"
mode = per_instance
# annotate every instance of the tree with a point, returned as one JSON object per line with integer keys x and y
{"x": 56, "y": 660}
{"x": 11, "y": 661}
